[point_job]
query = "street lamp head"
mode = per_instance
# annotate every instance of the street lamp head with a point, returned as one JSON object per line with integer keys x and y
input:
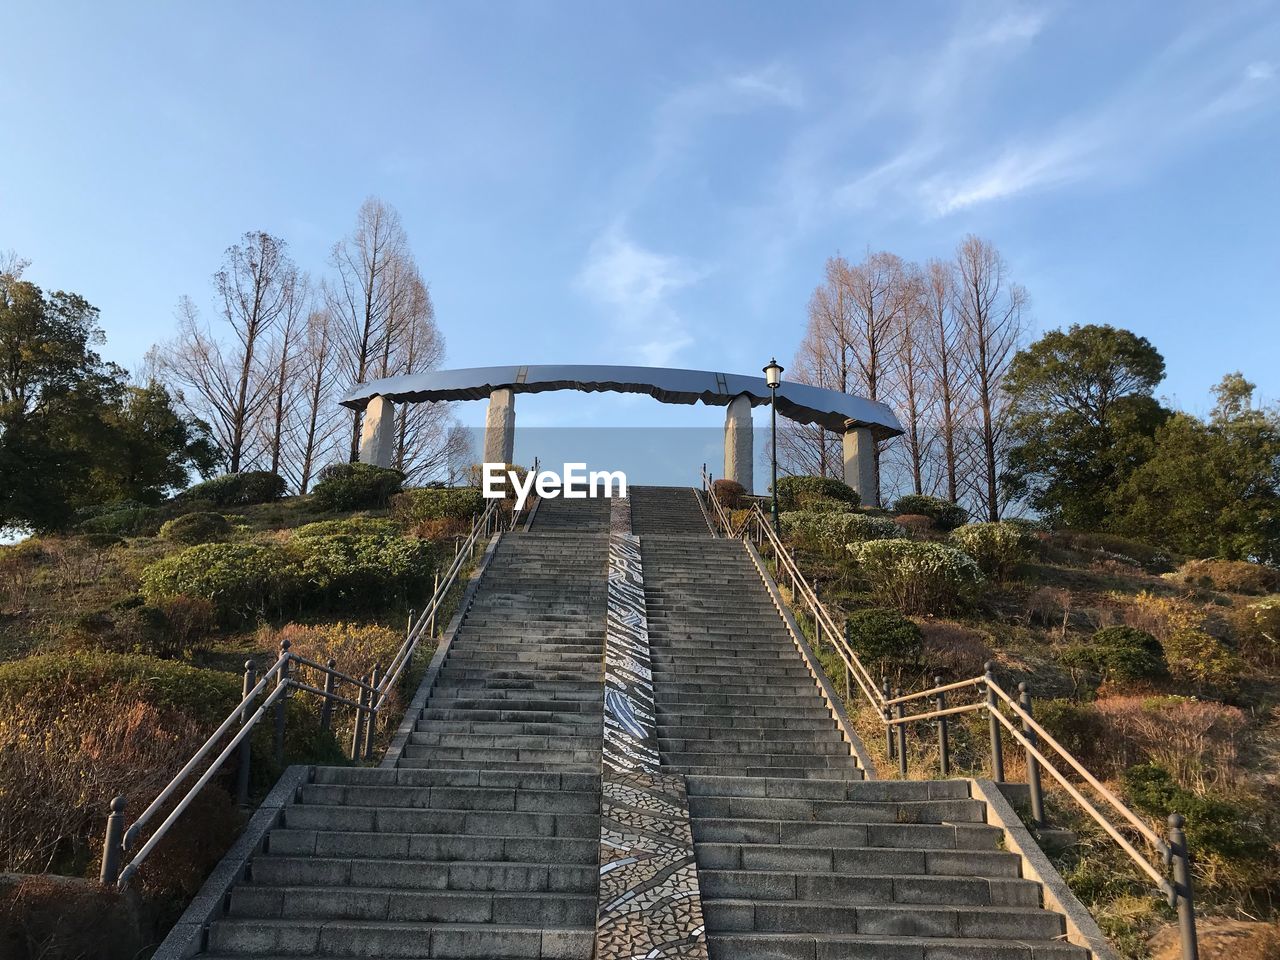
{"x": 773, "y": 374}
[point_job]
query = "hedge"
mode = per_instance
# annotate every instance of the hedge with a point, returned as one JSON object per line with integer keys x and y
{"x": 355, "y": 486}
{"x": 794, "y": 493}
{"x": 918, "y": 577}
{"x": 997, "y": 548}
{"x": 238, "y": 489}
{"x": 945, "y": 514}
{"x": 436, "y": 503}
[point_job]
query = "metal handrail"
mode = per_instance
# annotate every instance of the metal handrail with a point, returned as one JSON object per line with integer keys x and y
{"x": 483, "y": 525}
{"x": 1032, "y": 737}
{"x": 372, "y": 696}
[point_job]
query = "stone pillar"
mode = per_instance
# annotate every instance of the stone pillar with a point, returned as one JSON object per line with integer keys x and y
{"x": 739, "y": 453}
{"x": 860, "y": 463}
{"x": 378, "y": 433}
{"x": 500, "y": 427}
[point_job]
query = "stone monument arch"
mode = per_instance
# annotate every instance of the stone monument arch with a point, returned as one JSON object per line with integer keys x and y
{"x": 861, "y": 422}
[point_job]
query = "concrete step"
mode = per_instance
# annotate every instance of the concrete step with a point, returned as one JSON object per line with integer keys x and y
{"x": 426, "y": 875}
{"x": 838, "y": 811}
{"x": 374, "y": 776}
{"x": 929, "y": 836}
{"x": 478, "y": 822}
{"x": 921, "y": 920}
{"x": 400, "y": 939}
{"x": 826, "y": 858}
{"x": 444, "y": 845}
{"x": 869, "y": 790}
{"x": 854, "y": 889}
{"x": 788, "y": 946}
{"x": 451, "y": 798}
{"x": 324, "y": 903}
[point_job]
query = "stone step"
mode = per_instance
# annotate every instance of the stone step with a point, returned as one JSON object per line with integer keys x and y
{"x": 452, "y": 798}
{"x": 854, "y": 889}
{"x": 846, "y": 771}
{"x": 322, "y": 904}
{"x": 786, "y": 946}
{"x": 443, "y": 845}
{"x": 401, "y": 939}
{"x": 429, "y": 755}
{"x": 825, "y": 858}
{"x": 869, "y": 790}
{"x": 466, "y": 741}
{"x": 575, "y": 725}
{"x": 753, "y": 745}
{"x": 932, "y": 836}
{"x": 921, "y": 920}
{"x": 838, "y": 811}
{"x": 375, "y": 776}
{"x": 479, "y": 822}
{"x": 426, "y": 875}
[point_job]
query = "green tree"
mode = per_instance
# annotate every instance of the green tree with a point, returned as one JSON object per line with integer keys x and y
{"x": 1210, "y": 488}
{"x": 1083, "y": 420}
{"x": 149, "y": 448}
{"x": 72, "y": 432}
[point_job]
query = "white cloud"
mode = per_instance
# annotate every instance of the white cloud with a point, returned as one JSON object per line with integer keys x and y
{"x": 635, "y": 285}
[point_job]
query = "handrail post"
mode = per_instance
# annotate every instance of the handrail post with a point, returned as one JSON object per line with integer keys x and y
{"x": 357, "y": 733}
{"x": 944, "y": 745}
{"x": 902, "y": 737}
{"x": 246, "y": 745}
{"x": 435, "y": 590}
{"x": 113, "y": 844}
{"x": 281, "y": 678}
{"x": 993, "y": 723}
{"x": 371, "y": 720}
{"x": 1181, "y": 858}
{"x": 326, "y": 706}
{"x": 888, "y": 715}
{"x": 1033, "y": 765}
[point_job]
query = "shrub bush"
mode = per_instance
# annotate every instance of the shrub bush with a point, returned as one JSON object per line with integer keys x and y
{"x": 1257, "y": 630}
{"x": 1203, "y": 660}
{"x": 356, "y": 526}
{"x": 1107, "y": 545}
{"x": 955, "y": 650}
{"x": 918, "y": 577}
{"x": 192, "y": 528}
{"x": 997, "y": 548}
{"x": 78, "y": 728}
{"x": 436, "y": 503}
{"x": 795, "y": 493}
{"x": 1199, "y": 741}
{"x": 729, "y": 493}
{"x": 1121, "y": 653}
{"x": 915, "y": 524}
{"x": 171, "y": 628}
{"x": 242, "y": 580}
{"x": 1233, "y": 854}
{"x": 238, "y": 489}
{"x": 365, "y": 572}
{"x": 885, "y": 640}
{"x": 1230, "y": 576}
{"x": 833, "y": 530}
{"x": 135, "y": 521}
{"x": 355, "y": 486}
{"x": 355, "y": 647}
{"x": 945, "y": 514}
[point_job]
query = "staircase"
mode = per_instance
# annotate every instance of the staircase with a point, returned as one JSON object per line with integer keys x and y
{"x": 667, "y": 510}
{"x": 799, "y": 856}
{"x": 483, "y": 841}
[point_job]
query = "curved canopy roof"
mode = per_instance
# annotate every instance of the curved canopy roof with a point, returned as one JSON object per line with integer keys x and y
{"x": 796, "y": 401}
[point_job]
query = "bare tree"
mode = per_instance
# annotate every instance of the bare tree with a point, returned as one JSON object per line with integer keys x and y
{"x": 282, "y": 352}
{"x": 229, "y": 383}
{"x": 313, "y": 415}
{"x": 365, "y": 297}
{"x": 937, "y": 300}
{"x": 256, "y": 286}
{"x": 913, "y": 386}
{"x": 989, "y": 308}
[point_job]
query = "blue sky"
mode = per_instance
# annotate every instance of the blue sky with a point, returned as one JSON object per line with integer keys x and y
{"x": 661, "y": 182}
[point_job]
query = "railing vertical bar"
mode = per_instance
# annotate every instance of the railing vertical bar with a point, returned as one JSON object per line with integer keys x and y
{"x": 1033, "y": 765}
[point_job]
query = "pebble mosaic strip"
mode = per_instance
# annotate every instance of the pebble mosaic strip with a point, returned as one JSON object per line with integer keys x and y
{"x": 630, "y": 728}
{"x": 649, "y": 906}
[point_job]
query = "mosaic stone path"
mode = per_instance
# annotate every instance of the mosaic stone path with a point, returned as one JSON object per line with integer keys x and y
{"x": 649, "y": 904}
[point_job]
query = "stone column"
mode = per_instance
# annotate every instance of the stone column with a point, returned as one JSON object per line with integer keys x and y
{"x": 500, "y": 427}
{"x": 739, "y": 453}
{"x": 860, "y": 463}
{"x": 378, "y": 433}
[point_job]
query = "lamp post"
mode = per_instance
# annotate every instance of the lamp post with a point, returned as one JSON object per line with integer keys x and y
{"x": 773, "y": 377}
